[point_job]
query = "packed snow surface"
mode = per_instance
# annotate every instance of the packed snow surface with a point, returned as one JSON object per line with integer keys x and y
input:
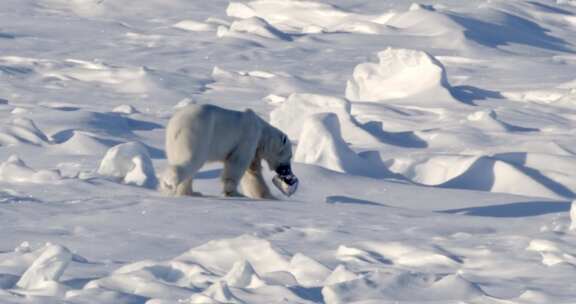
{"x": 433, "y": 141}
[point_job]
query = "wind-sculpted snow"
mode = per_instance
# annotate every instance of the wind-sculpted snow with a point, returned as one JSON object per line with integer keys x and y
{"x": 291, "y": 114}
{"x": 321, "y": 143}
{"x": 399, "y": 74}
{"x": 363, "y": 274}
{"x": 306, "y": 16}
{"x": 433, "y": 142}
{"x": 22, "y": 130}
{"x": 14, "y": 170}
{"x": 129, "y": 163}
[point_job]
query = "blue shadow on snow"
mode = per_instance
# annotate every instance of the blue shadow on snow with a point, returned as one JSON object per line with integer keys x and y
{"x": 521, "y": 209}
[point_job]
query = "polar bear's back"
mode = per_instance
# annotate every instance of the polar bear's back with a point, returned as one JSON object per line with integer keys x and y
{"x": 203, "y": 133}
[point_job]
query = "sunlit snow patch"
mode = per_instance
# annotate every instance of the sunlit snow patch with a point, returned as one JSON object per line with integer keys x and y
{"x": 14, "y": 170}
{"x": 291, "y": 114}
{"x": 400, "y": 73}
{"x": 255, "y": 26}
{"x": 129, "y": 163}
{"x": 308, "y": 17}
{"x": 321, "y": 144}
{"x": 21, "y": 130}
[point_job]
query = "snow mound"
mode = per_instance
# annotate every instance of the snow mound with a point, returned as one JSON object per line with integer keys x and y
{"x": 405, "y": 255}
{"x": 177, "y": 273}
{"x": 561, "y": 96}
{"x": 125, "y": 109}
{"x": 121, "y": 79}
{"x": 308, "y": 17}
{"x": 218, "y": 292}
{"x": 321, "y": 144}
{"x": 308, "y": 271}
{"x": 195, "y": 26}
{"x": 14, "y": 170}
{"x": 254, "y": 25}
{"x": 85, "y": 8}
{"x": 219, "y": 271}
{"x": 243, "y": 275}
{"x": 573, "y": 216}
{"x": 140, "y": 285}
{"x": 488, "y": 120}
{"x": 551, "y": 252}
{"x": 21, "y": 130}
{"x": 399, "y": 286}
{"x": 100, "y": 296}
{"x": 254, "y": 81}
{"x": 107, "y": 9}
{"x": 476, "y": 173}
{"x": 47, "y": 268}
{"x": 169, "y": 280}
{"x": 291, "y": 114}
{"x": 220, "y": 74}
{"x": 399, "y": 73}
{"x": 183, "y": 103}
{"x": 425, "y": 20}
{"x": 83, "y": 143}
{"x": 129, "y": 163}
{"x": 339, "y": 275}
{"x": 219, "y": 256}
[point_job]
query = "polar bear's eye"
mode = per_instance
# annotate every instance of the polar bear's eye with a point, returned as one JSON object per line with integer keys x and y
{"x": 284, "y": 139}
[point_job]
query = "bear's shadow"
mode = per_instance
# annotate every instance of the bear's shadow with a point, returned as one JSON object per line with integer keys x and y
{"x": 208, "y": 174}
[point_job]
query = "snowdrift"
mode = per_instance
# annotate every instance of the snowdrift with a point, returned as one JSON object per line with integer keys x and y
{"x": 14, "y": 170}
{"x": 321, "y": 144}
{"x": 291, "y": 114}
{"x": 22, "y": 130}
{"x": 129, "y": 163}
{"x": 306, "y": 16}
{"x": 400, "y": 74}
{"x": 479, "y": 173}
{"x": 254, "y": 25}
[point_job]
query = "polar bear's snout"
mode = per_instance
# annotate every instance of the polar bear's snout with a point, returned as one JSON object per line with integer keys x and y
{"x": 285, "y": 180}
{"x": 284, "y": 170}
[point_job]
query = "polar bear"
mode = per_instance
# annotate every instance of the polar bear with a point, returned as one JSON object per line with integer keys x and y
{"x": 198, "y": 134}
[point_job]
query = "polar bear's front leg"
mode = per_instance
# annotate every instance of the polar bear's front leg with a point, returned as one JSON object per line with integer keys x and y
{"x": 234, "y": 168}
{"x": 230, "y": 179}
{"x": 253, "y": 184}
{"x": 236, "y": 164}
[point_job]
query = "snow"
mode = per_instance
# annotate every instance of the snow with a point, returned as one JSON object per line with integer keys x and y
{"x": 256, "y": 26}
{"x": 16, "y": 171}
{"x": 321, "y": 143}
{"x": 48, "y": 267}
{"x": 433, "y": 143}
{"x": 399, "y": 73}
{"x": 129, "y": 163}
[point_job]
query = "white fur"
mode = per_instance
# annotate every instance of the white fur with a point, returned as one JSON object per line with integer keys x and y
{"x": 204, "y": 133}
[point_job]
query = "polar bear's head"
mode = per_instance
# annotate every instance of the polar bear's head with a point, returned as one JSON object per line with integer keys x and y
{"x": 276, "y": 149}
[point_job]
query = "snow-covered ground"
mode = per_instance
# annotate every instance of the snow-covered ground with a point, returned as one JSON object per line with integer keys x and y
{"x": 434, "y": 142}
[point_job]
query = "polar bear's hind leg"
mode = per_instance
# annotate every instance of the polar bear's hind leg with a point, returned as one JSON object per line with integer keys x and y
{"x": 177, "y": 180}
{"x": 188, "y": 136}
